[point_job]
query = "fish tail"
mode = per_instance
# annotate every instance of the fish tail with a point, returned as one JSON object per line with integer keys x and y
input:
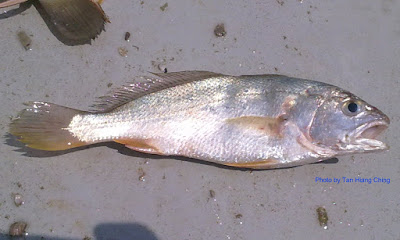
{"x": 44, "y": 126}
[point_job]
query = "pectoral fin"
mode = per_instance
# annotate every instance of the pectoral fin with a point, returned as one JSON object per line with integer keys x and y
{"x": 271, "y": 126}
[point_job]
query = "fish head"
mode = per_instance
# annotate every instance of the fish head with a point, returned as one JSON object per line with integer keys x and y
{"x": 347, "y": 124}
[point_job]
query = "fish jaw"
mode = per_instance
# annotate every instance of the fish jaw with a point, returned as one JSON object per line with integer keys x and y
{"x": 363, "y": 138}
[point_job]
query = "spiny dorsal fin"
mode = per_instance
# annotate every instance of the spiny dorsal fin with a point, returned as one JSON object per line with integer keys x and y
{"x": 266, "y": 75}
{"x": 141, "y": 86}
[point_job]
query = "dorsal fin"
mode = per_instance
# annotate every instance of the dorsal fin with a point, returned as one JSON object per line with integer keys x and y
{"x": 266, "y": 75}
{"x": 141, "y": 86}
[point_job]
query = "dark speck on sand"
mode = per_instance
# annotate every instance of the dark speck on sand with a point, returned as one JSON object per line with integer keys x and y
{"x": 127, "y": 36}
{"x": 219, "y": 30}
{"x": 238, "y": 215}
{"x": 163, "y": 7}
{"x": 212, "y": 193}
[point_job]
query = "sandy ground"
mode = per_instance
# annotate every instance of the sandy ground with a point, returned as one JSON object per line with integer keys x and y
{"x": 98, "y": 193}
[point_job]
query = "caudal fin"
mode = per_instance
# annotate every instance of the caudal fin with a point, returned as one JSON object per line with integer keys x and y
{"x": 44, "y": 126}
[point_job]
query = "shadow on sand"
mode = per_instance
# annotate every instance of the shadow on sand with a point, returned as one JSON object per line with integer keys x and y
{"x": 103, "y": 231}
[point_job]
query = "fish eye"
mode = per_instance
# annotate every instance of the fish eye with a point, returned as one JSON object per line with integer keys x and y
{"x": 351, "y": 108}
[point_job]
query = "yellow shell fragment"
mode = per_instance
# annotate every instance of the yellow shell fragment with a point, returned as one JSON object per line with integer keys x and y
{"x": 25, "y": 40}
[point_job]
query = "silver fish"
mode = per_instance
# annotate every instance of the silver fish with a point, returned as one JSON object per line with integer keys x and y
{"x": 259, "y": 121}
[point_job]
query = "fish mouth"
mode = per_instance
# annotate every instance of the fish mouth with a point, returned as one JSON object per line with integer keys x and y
{"x": 364, "y": 136}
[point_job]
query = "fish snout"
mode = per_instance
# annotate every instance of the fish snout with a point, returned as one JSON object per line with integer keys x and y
{"x": 378, "y": 115}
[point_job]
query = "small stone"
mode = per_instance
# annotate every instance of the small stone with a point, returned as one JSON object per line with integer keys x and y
{"x": 219, "y": 30}
{"x": 123, "y": 51}
{"x": 212, "y": 193}
{"x": 142, "y": 174}
{"x": 127, "y": 36}
{"x": 18, "y": 201}
{"x": 25, "y": 40}
{"x": 322, "y": 217}
{"x": 17, "y": 229}
{"x": 162, "y": 67}
{"x": 163, "y": 7}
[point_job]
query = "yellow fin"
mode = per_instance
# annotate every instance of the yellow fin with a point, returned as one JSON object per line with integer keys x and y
{"x": 44, "y": 126}
{"x": 264, "y": 164}
{"x": 140, "y": 145}
{"x": 269, "y": 125}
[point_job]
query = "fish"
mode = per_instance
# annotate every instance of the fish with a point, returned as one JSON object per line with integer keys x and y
{"x": 248, "y": 121}
{"x": 73, "y": 22}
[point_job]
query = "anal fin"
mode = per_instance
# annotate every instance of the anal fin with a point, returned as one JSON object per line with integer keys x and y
{"x": 263, "y": 164}
{"x": 140, "y": 145}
